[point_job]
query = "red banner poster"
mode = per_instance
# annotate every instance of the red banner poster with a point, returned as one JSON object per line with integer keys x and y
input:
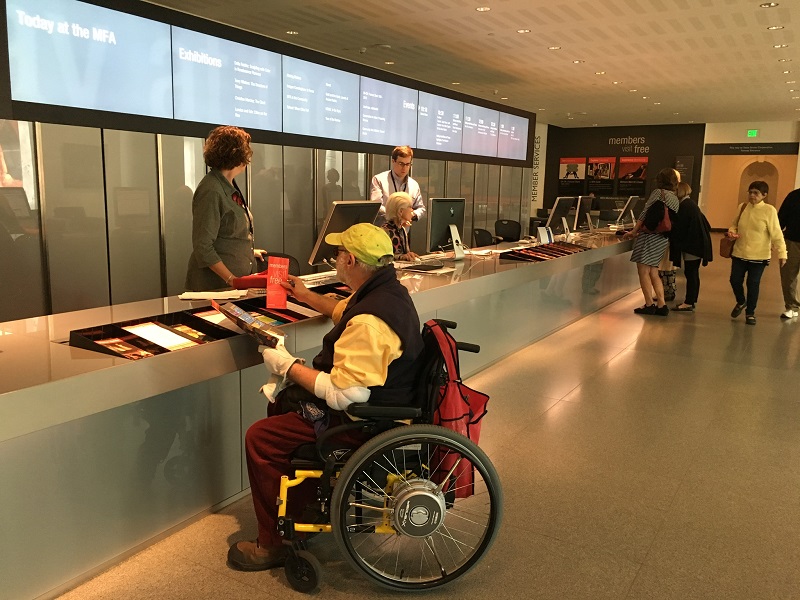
{"x": 632, "y": 175}
{"x": 277, "y": 272}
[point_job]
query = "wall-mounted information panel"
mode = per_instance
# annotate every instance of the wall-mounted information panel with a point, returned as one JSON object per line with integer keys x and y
{"x": 86, "y": 56}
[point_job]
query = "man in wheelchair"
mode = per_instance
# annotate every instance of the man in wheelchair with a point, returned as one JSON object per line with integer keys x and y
{"x": 369, "y": 354}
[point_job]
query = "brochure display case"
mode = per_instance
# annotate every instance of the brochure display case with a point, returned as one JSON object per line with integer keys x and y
{"x": 151, "y": 336}
{"x": 146, "y": 337}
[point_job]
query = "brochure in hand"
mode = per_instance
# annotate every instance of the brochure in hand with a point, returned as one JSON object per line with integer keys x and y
{"x": 277, "y": 272}
{"x": 266, "y": 335}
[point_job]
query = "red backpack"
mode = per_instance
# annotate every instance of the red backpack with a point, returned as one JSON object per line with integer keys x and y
{"x": 452, "y": 405}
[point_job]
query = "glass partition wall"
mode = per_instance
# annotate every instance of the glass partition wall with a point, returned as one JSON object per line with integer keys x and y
{"x": 92, "y": 217}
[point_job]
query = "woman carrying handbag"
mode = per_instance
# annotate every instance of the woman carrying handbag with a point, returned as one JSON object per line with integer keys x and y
{"x": 756, "y": 231}
{"x": 649, "y": 247}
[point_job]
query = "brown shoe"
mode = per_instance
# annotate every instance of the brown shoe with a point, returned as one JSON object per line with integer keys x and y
{"x": 249, "y": 556}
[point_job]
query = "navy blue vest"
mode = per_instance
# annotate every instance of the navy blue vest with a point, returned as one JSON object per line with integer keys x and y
{"x": 386, "y": 298}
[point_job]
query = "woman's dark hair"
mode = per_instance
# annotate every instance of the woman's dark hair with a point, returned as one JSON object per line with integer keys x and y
{"x": 227, "y": 147}
{"x": 667, "y": 179}
{"x": 761, "y": 186}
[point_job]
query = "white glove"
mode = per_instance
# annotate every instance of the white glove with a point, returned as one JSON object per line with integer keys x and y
{"x": 278, "y": 360}
{"x": 274, "y": 386}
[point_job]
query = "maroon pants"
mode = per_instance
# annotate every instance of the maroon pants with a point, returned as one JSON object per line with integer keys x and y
{"x": 269, "y": 444}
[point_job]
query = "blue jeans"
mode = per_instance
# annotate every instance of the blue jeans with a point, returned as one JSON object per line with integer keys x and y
{"x": 754, "y": 271}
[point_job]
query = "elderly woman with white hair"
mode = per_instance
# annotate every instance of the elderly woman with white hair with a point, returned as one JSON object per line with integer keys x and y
{"x": 399, "y": 213}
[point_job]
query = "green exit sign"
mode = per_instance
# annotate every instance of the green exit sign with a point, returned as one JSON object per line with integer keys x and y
{"x": 752, "y": 133}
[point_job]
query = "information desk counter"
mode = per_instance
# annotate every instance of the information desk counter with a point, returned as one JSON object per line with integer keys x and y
{"x": 100, "y": 455}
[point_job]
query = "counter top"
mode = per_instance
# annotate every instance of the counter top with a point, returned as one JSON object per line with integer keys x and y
{"x": 39, "y": 369}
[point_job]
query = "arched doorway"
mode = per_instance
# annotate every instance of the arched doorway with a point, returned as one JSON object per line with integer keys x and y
{"x": 759, "y": 170}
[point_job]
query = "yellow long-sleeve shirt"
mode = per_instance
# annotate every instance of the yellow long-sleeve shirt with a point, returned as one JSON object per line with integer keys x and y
{"x": 759, "y": 231}
{"x": 362, "y": 354}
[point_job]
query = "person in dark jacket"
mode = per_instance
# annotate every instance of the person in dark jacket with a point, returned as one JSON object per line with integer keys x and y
{"x": 370, "y": 354}
{"x": 690, "y": 242}
{"x": 789, "y": 217}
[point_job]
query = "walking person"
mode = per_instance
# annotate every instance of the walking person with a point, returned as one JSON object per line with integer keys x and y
{"x": 690, "y": 243}
{"x": 789, "y": 218}
{"x": 756, "y": 231}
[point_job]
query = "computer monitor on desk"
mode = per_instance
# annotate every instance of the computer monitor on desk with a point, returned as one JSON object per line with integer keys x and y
{"x": 637, "y": 205}
{"x": 341, "y": 215}
{"x": 445, "y": 224}
{"x": 582, "y": 213}
{"x": 628, "y": 215}
{"x": 560, "y": 210}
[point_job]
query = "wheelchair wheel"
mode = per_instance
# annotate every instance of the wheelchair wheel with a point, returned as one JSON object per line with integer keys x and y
{"x": 303, "y": 571}
{"x": 416, "y": 507}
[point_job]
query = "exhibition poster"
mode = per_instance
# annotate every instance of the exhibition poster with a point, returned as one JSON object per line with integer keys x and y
{"x": 632, "y": 175}
{"x": 571, "y": 176}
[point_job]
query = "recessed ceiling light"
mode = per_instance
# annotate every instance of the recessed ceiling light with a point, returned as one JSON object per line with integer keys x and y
{"x": 483, "y": 9}
{"x": 599, "y": 72}
{"x": 656, "y": 103}
{"x": 456, "y": 83}
{"x": 594, "y": 124}
{"x": 774, "y": 27}
{"x": 781, "y": 46}
{"x": 542, "y": 109}
{"x": 793, "y": 81}
{"x": 577, "y": 62}
{"x": 503, "y": 97}
{"x": 570, "y": 118}
{"x": 633, "y": 90}
{"x": 795, "y": 97}
{"x": 792, "y": 90}
{"x": 389, "y": 62}
{"x": 675, "y": 113}
{"x": 523, "y": 30}
{"x": 784, "y": 60}
{"x": 645, "y": 97}
{"x": 786, "y": 72}
{"x": 293, "y": 33}
{"x": 554, "y": 48}
{"x": 768, "y": 4}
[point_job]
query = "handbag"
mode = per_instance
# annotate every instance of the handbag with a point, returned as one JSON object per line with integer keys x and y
{"x": 726, "y": 243}
{"x": 726, "y": 246}
{"x": 656, "y": 219}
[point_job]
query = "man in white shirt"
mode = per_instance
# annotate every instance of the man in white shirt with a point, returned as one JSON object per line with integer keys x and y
{"x": 397, "y": 179}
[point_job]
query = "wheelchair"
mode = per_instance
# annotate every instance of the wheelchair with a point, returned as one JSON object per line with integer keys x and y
{"x": 413, "y": 508}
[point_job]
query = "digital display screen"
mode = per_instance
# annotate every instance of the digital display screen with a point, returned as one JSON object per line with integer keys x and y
{"x": 73, "y": 54}
{"x": 319, "y": 101}
{"x": 439, "y": 123}
{"x": 512, "y": 139}
{"x": 219, "y": 81}
{"x": 388, "y": 113}
{"x": 480, "y": 130}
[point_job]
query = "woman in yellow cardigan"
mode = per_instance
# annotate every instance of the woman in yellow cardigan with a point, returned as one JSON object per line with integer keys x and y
{"x": 756, "y": 231}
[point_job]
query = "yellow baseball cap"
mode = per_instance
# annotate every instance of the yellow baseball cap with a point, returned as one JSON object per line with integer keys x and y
{"x": 368, "y": 243}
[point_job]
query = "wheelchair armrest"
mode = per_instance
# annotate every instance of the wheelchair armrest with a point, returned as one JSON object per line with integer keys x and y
{"x": 368, "y": 411}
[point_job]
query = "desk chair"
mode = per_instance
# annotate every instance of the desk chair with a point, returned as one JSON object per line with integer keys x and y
{"x": 507, "y": 230}
{"x": 483, "y": 237}
{"x": 294, "y": 264}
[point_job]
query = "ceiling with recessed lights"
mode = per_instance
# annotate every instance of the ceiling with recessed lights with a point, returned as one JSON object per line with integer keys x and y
{"x": 575, "y": 63}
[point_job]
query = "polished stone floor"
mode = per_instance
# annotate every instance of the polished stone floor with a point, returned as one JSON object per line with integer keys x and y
{"x": 641, "y": 458}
